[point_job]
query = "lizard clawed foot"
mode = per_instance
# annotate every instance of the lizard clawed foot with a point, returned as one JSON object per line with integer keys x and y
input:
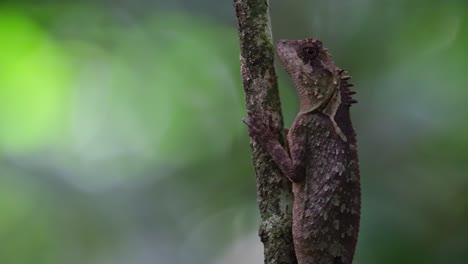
{"x": 261, "y": 129}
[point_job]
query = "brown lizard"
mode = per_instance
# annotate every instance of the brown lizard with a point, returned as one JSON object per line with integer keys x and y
{"x": 321, "y": 155}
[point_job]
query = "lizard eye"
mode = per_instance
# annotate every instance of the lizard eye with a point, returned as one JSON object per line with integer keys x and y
{"x": 310, "y": 52}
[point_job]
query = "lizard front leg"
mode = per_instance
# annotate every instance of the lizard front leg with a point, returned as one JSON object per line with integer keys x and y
{"x": 263, "y": 131}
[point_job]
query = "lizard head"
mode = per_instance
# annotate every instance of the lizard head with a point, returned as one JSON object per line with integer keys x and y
{"x": 313, "y": 72}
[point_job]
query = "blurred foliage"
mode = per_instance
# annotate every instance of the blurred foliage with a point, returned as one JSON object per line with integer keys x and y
{"x": 34, "y": 81}
{"x": 121, "y": 140}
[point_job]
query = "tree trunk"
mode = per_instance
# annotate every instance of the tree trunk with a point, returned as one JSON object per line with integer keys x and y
{"x": 261, "y": 94}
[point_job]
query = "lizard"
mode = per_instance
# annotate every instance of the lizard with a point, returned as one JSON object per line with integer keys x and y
{"x": 320, "y": 157}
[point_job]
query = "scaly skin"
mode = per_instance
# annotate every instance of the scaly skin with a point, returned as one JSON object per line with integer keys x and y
{"x": 322, "y": 160}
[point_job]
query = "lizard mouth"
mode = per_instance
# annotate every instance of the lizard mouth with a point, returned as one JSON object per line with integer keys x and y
{"x": 288, "y": 56}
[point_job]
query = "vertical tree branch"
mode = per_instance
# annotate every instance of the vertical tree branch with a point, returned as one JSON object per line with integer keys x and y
{"x": 261, "y": 94}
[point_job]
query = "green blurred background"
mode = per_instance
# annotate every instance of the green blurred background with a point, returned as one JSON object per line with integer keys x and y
{"x": 121, "y": 138}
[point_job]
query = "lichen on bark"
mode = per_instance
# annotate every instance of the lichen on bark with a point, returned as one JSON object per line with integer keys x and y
{"x": 261, "y": 95}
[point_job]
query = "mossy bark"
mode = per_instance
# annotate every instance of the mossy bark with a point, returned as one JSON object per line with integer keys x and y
{"x": 261, "y": 95}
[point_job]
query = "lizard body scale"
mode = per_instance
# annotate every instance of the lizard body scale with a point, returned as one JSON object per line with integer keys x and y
{"x": 321, "y": 158}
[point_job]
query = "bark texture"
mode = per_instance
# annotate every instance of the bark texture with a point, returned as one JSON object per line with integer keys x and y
{"x": 261, "y": 94}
